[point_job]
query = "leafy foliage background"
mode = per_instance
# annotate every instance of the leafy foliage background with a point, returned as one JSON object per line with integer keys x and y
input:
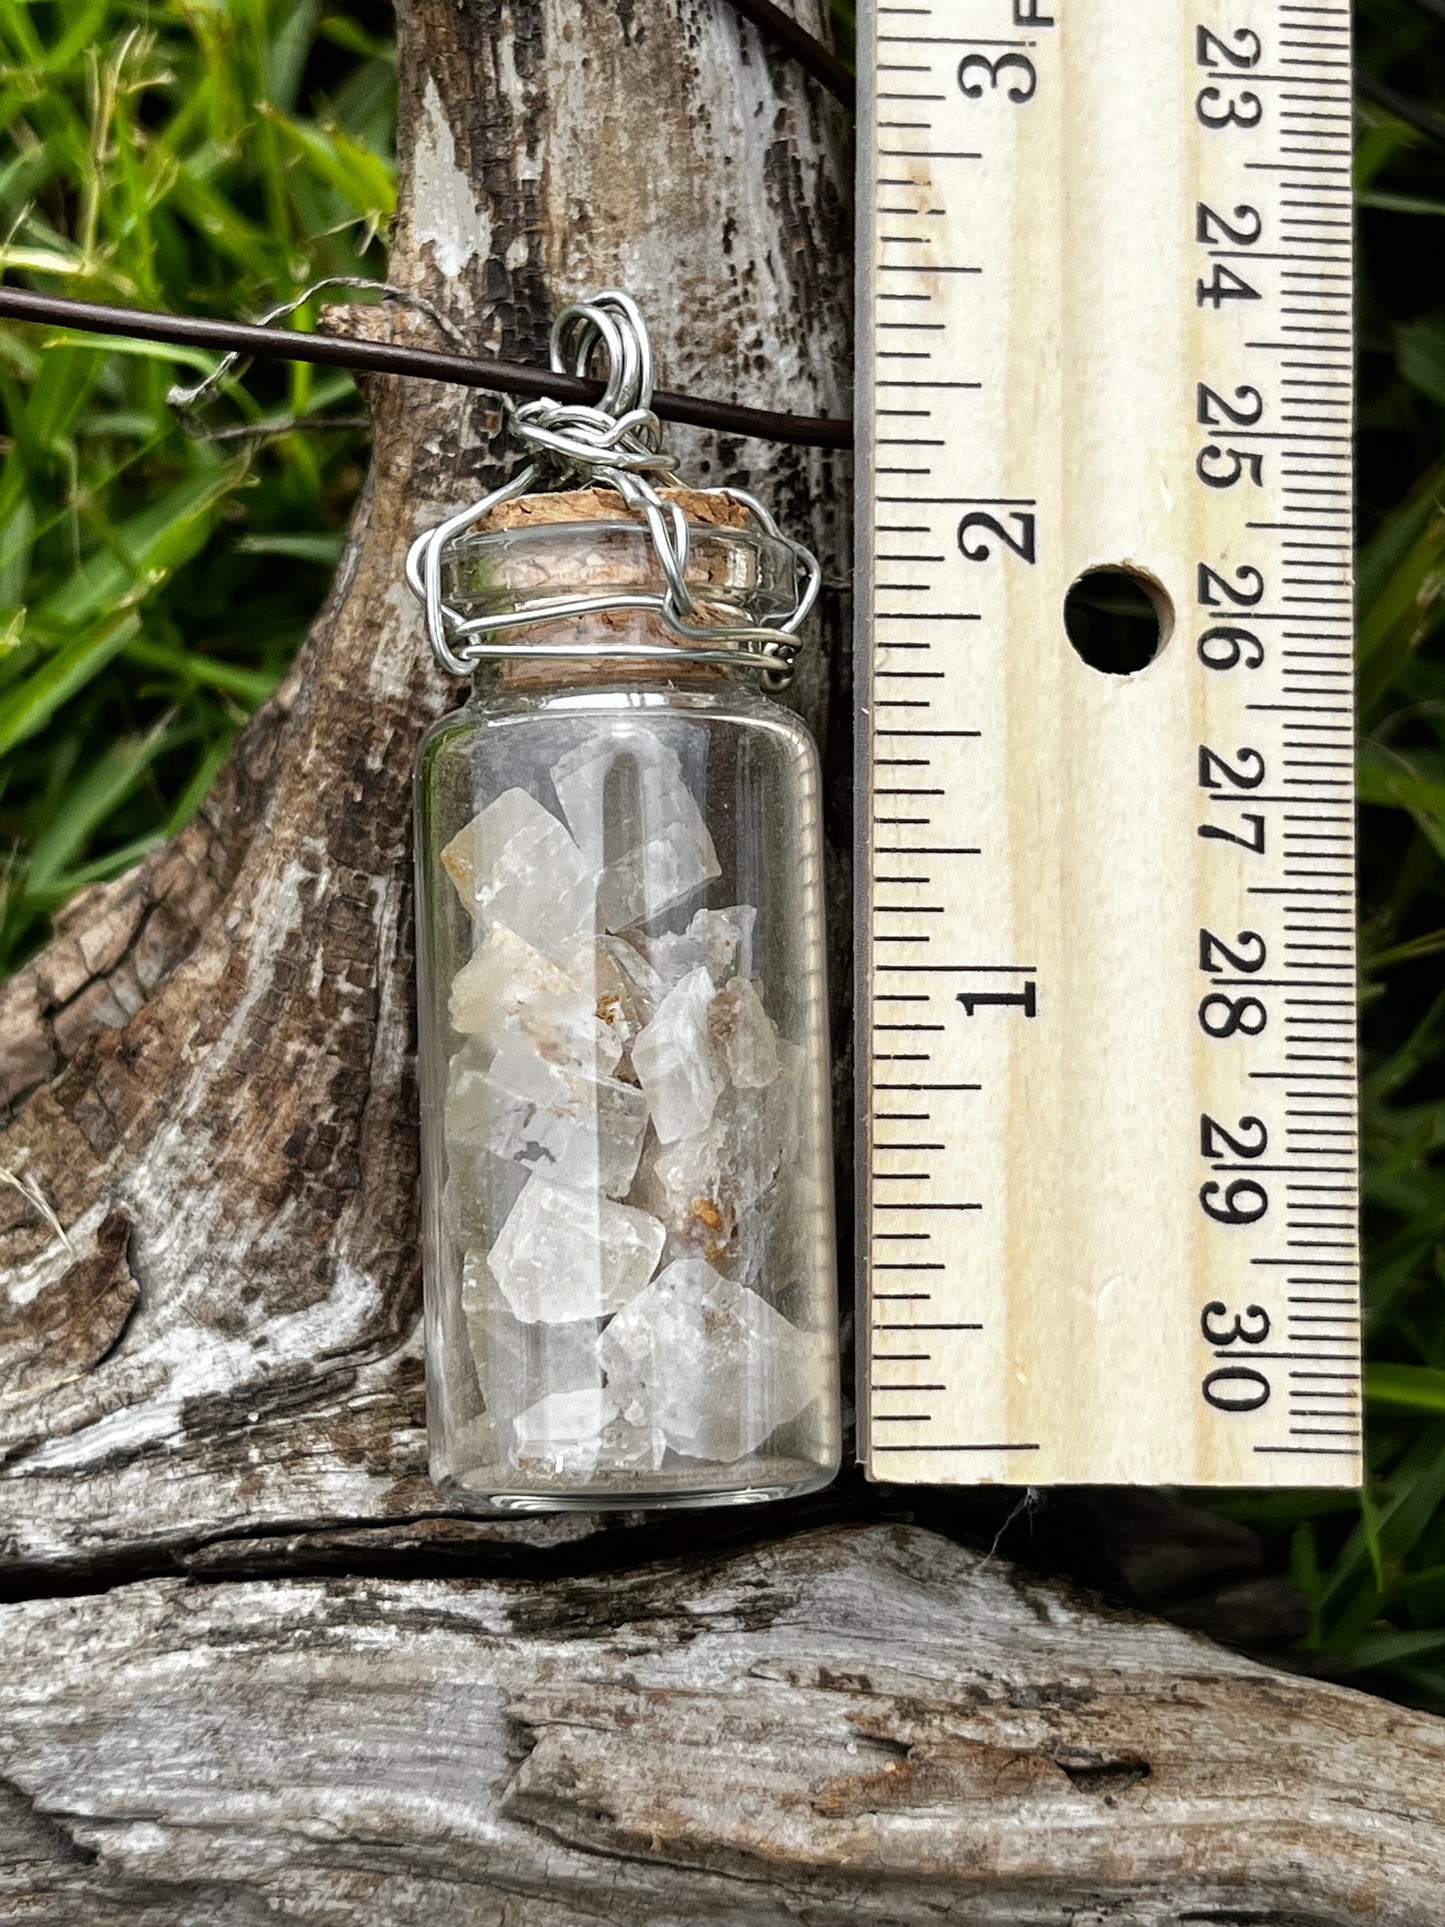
{"x": 157, "y": 572}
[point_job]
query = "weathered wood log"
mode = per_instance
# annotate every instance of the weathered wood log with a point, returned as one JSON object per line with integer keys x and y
{"x": 868, "y": 1725}
{"x": 216, "y": 1370}
{"x": 210, "y": 1067}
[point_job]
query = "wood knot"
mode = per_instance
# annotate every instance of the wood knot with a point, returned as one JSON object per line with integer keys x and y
{"x": 76, "y": 1320}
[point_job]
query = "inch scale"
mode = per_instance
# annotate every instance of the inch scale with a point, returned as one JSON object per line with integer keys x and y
{"x": 1107, "y": 1086}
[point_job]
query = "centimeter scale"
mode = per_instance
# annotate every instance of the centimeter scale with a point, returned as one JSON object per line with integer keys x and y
{"x": 1107, "y": 1048}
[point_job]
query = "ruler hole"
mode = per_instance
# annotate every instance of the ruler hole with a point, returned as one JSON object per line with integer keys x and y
{"x": 1118, "y": 618}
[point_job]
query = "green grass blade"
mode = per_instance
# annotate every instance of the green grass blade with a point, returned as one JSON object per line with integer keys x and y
{"x": 95, "y": 798}
{"x": 29, "y": 708}
{"x": 1406, "y": 1388}
{"x": 140, "y": 552}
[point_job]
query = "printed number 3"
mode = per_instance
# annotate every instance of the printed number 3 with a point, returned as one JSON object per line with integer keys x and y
{"x": 1019, "y": 91}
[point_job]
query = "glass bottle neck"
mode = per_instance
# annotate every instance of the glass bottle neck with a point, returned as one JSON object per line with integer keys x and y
{"x": 511, "y": 581}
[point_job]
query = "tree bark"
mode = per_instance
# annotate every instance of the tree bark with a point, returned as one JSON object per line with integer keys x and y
{"x": 211, "y": 1067}
{"x": 216, "y": 1370}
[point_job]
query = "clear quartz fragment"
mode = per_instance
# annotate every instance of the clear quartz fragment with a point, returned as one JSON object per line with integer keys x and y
{"x": 515, "y": 864}
{"x": 480, "y": 1190}
{"x": 623, "y": 987}
{"x": 561, "y": 1435}
{"x": 647, "y": 880}
{"x": 626, "y": 1447}
{"x": 706, "y": 1361}
{"x": 513, "y": 1356}
{"x": 707, "y": 1187}
{"x": 634, "y": 817}
{"x": 576, "y": 1126}
{"x": 515, "y": 1362}
{"x": 502, "y": 976}
{"x": 674, "y": 1062}
{"x": 567, "y": 1030}
{"x": 743, "y": 1036}
{"x": 718, "y": 941}
{"x": 580, "y": 1435}
{"x": 565, "y": 1255}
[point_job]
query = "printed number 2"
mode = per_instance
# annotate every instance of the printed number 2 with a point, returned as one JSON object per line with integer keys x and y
{"x": 1022, "y": 544}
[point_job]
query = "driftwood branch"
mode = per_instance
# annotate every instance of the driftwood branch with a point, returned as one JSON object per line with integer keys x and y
{"x": 215, "y": 1371}
{"x": 868, "y": 1725}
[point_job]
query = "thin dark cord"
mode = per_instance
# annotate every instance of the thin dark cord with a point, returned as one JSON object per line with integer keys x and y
{"x": 510, "y": 378}
{"x": 1420, "y": 118}
{"x": 810, "y": 54}
{"x": 382, "y": 357}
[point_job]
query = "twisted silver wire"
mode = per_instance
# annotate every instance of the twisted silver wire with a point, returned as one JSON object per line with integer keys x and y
{"x": 616, "y": 443}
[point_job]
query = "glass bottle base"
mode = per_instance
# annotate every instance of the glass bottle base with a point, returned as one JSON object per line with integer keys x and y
{"x": 498, "y": 1489}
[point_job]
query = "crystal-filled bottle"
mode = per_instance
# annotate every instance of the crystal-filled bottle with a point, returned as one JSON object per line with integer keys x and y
{"x": 629, "y": 1264}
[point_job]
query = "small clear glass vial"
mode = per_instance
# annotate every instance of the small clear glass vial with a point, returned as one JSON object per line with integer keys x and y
{"x": 629, "y": 1266}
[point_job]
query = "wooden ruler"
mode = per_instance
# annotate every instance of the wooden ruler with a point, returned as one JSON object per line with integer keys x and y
{"x": 1107, "y": 962}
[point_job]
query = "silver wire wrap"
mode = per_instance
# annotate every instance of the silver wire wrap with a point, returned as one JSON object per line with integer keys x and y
{"x": 618, "y": 444}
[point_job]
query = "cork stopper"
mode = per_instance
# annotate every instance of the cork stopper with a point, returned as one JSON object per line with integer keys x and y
{"x": 597, "y": 562}
{"x": 605, "y": 505}
{"x": 736, "y": 589}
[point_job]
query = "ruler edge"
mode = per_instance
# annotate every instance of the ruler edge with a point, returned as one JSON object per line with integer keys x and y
{"x": 864, "y": 359}
{"x": 864, "y": 371}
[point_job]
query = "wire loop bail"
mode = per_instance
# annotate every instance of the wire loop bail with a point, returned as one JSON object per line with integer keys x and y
{"x": 615, "y": 443}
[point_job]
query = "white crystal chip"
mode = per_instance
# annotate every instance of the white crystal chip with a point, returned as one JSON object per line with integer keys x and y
{"x": 567, "y": 1030}
{"x": 578, "y": 1127}
{"x": 707, "y": 1362}
{"x": 635, "y": 819}
{"x": 502, "y": 976}
{"x": 578, "y": 1435}
{"x": 674, "y": 1062}
{"x": 516, "y": 1362}
{"x": 479, "y": 1191}
{"x": 561, "y": 1434}
{"x": 718, "y": 941}
{"x": 621, "y": 984}
{"x": 625, "y": 1447}
{"x": 515, "y": 864}
{"x": 743, "y": 1036}
{"x": 707, "y": 1186}
{"x": 564, "y": 1255}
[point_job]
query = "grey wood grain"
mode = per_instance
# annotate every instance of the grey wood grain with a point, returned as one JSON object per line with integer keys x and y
{"x": 857, "y": 1725}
